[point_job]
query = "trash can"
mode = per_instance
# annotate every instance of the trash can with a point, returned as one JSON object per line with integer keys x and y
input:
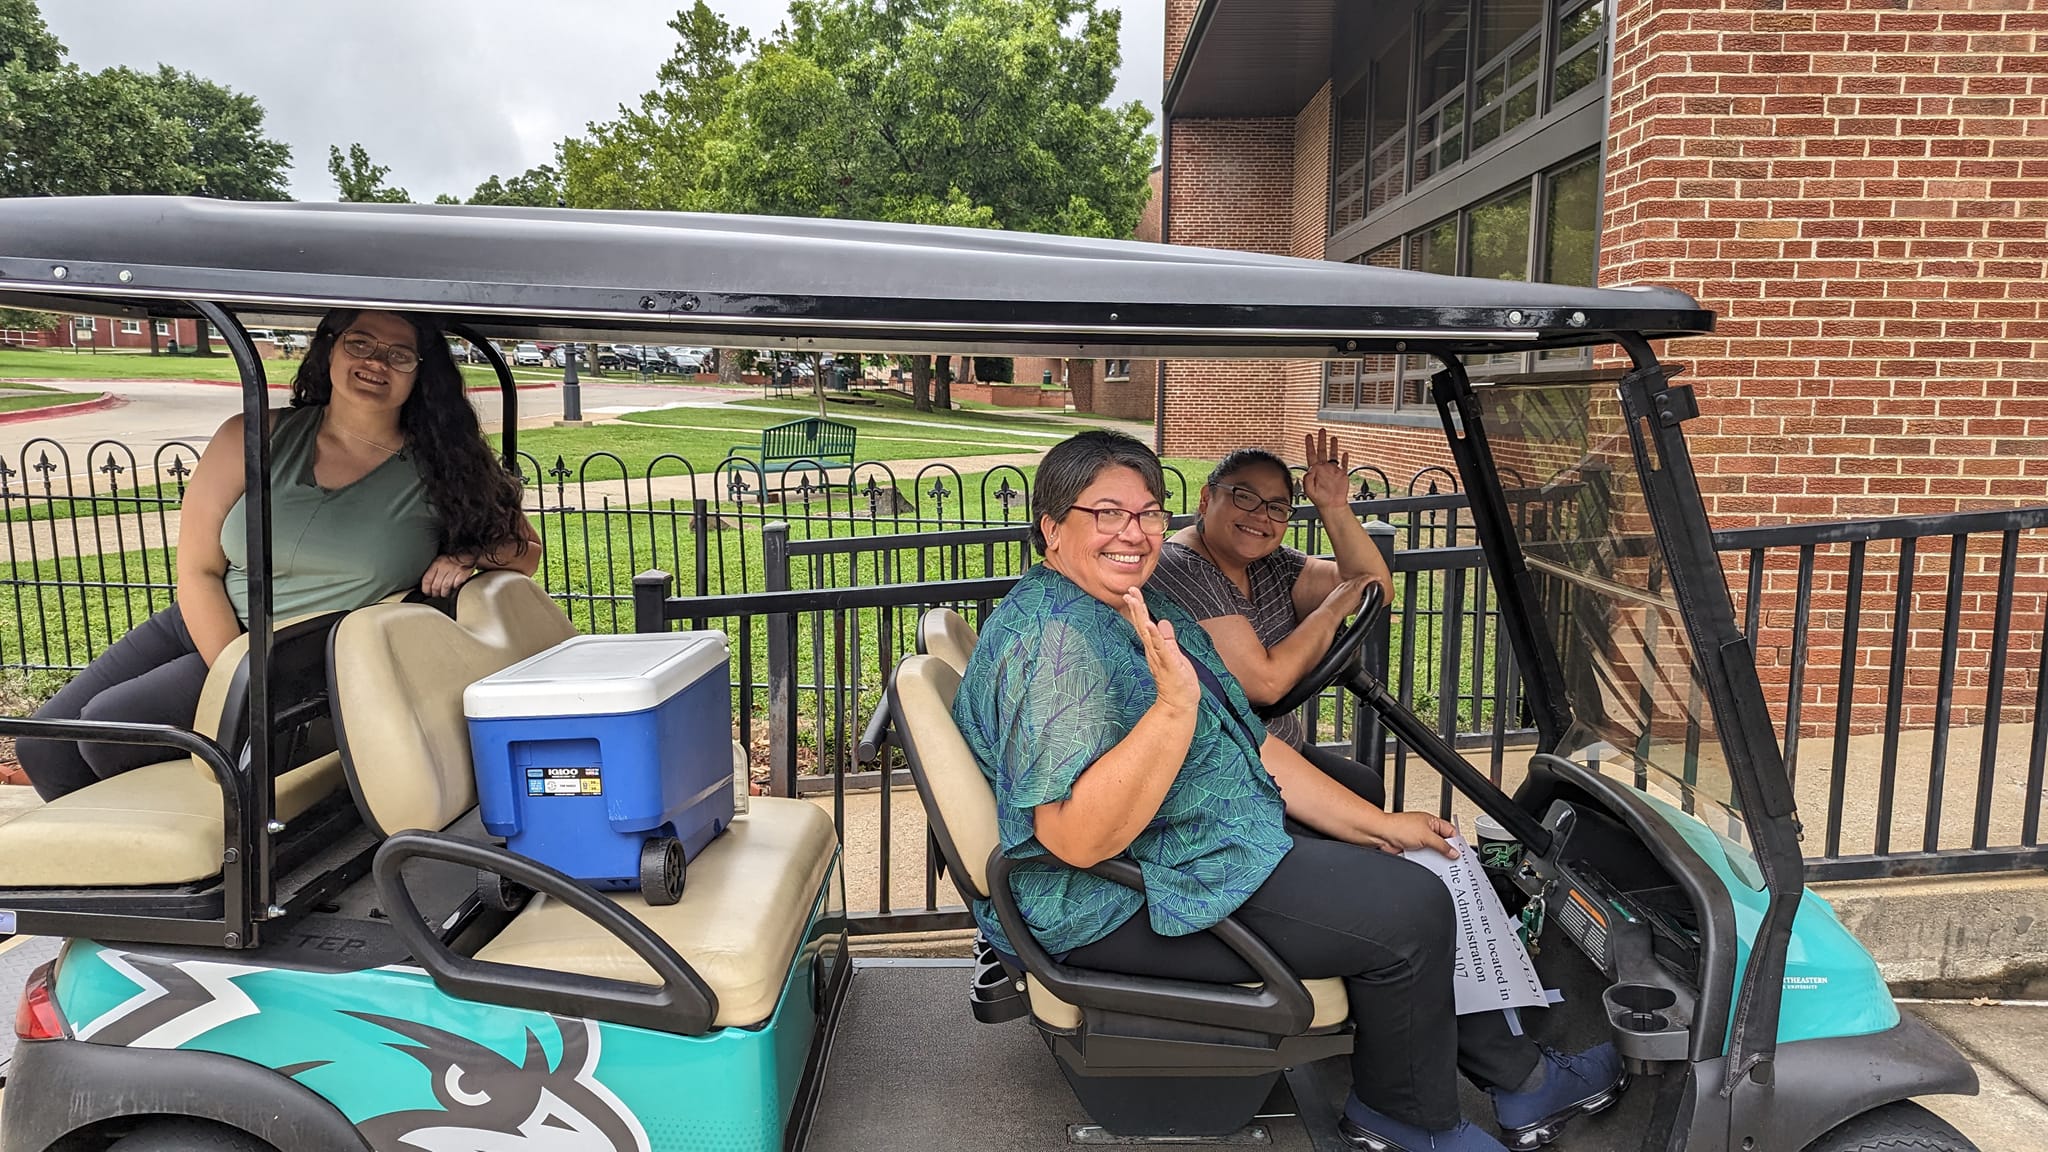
{"x": 608, "y": 757}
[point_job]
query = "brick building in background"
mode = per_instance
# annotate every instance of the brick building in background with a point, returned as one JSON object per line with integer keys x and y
{"x": 1857, "y": 188}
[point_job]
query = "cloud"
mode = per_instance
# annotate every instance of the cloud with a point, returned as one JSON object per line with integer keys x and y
{"x": 444, "y": 92}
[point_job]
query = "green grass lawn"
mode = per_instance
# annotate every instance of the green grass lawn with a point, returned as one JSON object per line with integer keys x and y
{"x": 45, "y": 400}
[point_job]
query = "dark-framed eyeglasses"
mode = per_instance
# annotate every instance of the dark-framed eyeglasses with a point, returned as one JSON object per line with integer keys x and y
{"x": 394, "y": 357}
{"x": 1110, "y": 521}
{"x": 1247, "y": 500}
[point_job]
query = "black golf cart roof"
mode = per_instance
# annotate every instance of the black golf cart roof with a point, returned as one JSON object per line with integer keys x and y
{"x": 750, "y": 281}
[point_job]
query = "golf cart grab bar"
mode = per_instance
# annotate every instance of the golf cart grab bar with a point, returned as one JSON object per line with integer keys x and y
{"x": 1280, "y": 1005}
{"x": 876, "y": 736}
{"x": 682, "y": 1003}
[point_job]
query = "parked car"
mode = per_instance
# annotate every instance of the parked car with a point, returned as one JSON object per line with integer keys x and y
{"x": 528, "y": 355}
{"x": 560, "y": 356}
{"x": 688, "y": 361}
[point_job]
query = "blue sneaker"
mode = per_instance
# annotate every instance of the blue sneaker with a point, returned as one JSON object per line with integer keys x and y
{"x": 1376, "y": 1131}
{"x": 1573, "y": 1085}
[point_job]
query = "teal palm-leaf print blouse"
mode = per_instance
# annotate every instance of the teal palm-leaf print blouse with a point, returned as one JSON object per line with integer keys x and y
{"x": 1057, "y": 679}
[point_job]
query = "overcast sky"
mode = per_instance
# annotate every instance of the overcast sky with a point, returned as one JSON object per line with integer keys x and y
{"x": 444, "y": 92}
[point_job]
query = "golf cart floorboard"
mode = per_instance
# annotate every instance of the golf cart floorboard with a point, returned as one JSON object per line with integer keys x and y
{"x": 907, "y": 1073}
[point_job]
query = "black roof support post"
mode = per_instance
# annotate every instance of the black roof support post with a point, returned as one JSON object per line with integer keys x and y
{"x": 1654, "y": 411}
{"x": 1534, "y": 650}
{"x": 246, "y": 863}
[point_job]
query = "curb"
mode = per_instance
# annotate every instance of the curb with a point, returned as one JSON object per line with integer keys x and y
{"x": 1951, "y": 936}
{"x": 102, "y": 401}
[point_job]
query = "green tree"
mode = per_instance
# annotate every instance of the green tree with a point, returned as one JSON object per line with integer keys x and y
{"x": 651, "y": 155}
{"x": 26, "y": 40}
{"x": 234, "y": 159}
{"x": 360, "y": 180}
{"x": 22, "y": 318}
{"x": 538, "y": 187}
{"x": 69, "y": 132}
{"x": 65, "y": 131}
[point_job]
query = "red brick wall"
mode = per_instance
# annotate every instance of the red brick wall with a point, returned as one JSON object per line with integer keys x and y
{"x": 1223, "y": 173}
{"x": 1862, "y": 197}
{"x": 1861, "y": 194}
{"x": 1180, "y": 14}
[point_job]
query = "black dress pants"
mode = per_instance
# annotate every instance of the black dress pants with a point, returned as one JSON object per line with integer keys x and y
{"x": 153, "y": 675}
{"x": 1386, "y": 926}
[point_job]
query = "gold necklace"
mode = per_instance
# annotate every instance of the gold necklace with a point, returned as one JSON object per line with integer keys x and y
{"x": 366, "y": 440}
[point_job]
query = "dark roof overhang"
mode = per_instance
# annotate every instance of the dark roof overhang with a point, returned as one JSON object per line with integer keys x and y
{"x": 1252, "y": 58}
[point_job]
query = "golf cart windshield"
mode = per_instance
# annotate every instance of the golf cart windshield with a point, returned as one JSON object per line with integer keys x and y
{"x": 1640, "y": 707}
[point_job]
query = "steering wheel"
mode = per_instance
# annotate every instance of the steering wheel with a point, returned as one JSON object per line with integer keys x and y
{"x": 1337, "y": 663}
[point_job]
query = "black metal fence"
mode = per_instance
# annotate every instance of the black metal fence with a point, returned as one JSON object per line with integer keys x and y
{"x": 1890, "y": 649}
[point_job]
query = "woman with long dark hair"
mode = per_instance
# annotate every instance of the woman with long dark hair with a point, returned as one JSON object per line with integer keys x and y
{"x": 381, "y": 480}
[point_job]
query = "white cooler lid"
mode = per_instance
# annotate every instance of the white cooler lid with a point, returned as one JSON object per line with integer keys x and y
{"x": 597, "y": 676}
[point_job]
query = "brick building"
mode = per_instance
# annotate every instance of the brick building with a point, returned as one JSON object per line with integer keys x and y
{"x": 1857, "y": 188}
{"x": 85, "y": 332}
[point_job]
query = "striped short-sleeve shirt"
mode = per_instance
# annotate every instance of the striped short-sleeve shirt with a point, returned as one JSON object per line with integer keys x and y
{"x": 1187, "y": 578}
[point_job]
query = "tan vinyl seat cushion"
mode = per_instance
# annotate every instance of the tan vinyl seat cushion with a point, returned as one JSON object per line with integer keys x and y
{"x": 924, "y": 688}
{"x": 746, "y": 900}
{"x": 1332, "y": 1006}
{"x": 399, "y": 672}
{"x": 158, "y": 824}
{"x": 946, "y": 634}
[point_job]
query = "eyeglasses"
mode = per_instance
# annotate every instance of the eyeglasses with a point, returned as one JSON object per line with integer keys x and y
{"x": 394, "y": 357}
{"x": 1111, "y": 521}
{"x": 1250, "y": 501}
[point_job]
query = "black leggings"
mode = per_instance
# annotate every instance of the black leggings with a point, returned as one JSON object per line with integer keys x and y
{"x": 153, "y": 675}
{"x": 1386, "y": 926}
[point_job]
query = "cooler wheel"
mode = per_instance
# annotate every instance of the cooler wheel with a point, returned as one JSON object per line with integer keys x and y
{"x": 661, "y": 870}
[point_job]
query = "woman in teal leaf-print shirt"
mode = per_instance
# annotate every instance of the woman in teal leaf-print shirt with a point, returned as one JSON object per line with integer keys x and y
{"x": 1109, "y": 727}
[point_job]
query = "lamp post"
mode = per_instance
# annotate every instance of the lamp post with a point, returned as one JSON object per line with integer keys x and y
{"x": 572, "y": 392}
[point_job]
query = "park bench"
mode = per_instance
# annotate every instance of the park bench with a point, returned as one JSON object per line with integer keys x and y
{"x": 810, "y": 441}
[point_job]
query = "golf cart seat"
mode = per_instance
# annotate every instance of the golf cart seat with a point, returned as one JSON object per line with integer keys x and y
{"x": 399, "y": 673}
{"x": 1144, "y": 1056}
{"x": 161, "y": 824}
{"x": 946, "y": 634}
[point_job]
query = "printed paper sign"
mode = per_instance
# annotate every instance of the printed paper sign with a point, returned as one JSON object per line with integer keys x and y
{"x": 1492, "y": 969}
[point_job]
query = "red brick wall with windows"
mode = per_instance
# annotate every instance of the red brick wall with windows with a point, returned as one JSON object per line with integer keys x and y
{"x": 1861, "y": 194}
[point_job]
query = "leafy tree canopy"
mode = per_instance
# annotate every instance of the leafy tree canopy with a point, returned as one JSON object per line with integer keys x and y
{"x": 65, "y": 131}
{"x": 26, "y": 40}
{"x": 650, "y": 157}
{"x": 539, "y": 187}
{"x": 979, "y": 113}
{"x": 360, "y": 180}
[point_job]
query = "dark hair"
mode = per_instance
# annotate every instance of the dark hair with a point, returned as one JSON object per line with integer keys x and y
{"x": 470, "y": 490}
{"x": 1245, "y": 458}
{"x": 1074, "y": 463}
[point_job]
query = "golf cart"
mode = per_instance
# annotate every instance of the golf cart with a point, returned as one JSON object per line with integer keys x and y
{"x": 282, "y": 942}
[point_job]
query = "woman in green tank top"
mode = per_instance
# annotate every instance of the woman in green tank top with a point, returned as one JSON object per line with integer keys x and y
{"x": 381, "y": 481}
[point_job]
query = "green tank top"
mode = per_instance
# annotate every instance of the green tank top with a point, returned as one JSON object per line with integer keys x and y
{"x": 332, "y": 551}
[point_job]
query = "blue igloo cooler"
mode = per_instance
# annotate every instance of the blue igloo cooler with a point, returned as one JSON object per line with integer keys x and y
{"x": 608, "y": 757}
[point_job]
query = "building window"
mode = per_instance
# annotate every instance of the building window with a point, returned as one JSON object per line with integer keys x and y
{"x": 1383, "y": 383}
{"x": 1454, "y": 79}
{"x": 1347, "y": 189}
{"x": 1389, "y": 175}
{"x": 1500, "y": 237}
{"x": 1435, "y": 248}
{"x": 1571, "y": 223}
{"x": 131, "y": 327}
{"x": 1581, "y": 47}
{"x": 84, "y": 324}
{"x": 1116, "y": 369}
{"x": 163, "y": 327}
{"x": 1440, "y": 87}
{"x": 1510, "y": 55}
